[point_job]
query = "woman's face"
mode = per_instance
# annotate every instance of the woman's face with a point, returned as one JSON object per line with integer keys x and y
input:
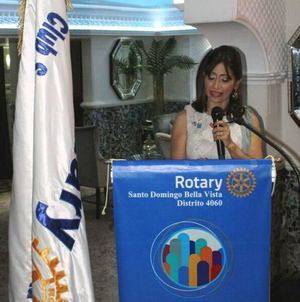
{"x": 219, "y": 86}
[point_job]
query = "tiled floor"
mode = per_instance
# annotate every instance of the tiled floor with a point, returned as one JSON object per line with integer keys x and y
{"x": 102, "y": 254}
{"x": 101, "y": 246}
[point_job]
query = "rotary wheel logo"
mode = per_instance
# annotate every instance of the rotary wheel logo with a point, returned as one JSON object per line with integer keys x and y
{"x": 241, "y": 182}
{"x": 46, "y": 275}
{"x": 191, "y": 258}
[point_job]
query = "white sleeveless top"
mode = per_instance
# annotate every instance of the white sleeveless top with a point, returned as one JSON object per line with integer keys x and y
{"x": 200, "y": 142}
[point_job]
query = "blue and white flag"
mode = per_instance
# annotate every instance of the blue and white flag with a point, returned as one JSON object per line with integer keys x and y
{"x": 49, "y": 258}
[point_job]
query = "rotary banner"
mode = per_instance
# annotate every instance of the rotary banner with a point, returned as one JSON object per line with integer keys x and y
{"x": 193, "y": 230}
{"x": 48, "y": 258}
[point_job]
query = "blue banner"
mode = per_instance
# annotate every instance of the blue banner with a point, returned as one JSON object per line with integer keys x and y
{"x": 193, "y": 230}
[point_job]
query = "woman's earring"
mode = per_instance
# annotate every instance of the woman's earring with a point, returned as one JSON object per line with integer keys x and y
{"x": 235, "y": 95}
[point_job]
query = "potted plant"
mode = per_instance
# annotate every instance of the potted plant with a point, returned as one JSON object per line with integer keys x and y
{"x": 159, "y": 60}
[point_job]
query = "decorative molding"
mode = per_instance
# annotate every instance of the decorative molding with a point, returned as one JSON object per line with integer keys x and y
{"x": 87, "y": 19}
{"x": 9, "y": 16}
{"x": 107, "y": 104}
{"x": 265, "y": 78}
{"x": 111, "y": 104}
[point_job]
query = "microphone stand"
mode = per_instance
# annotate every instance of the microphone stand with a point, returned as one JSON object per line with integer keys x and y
{"x": 242, "y": 122}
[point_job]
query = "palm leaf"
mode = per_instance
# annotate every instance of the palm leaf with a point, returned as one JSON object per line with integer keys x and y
{"x": 154, "y": 60}
{"x": 132, "y": 56}
{"x": 140, "y": 47}
{"x": 128, "y": 66}
{"x": 179, "y": 61}
{"x": 158, "y": 59}
{"x": 168, "y": 47}
{"x": 121, "y": 65}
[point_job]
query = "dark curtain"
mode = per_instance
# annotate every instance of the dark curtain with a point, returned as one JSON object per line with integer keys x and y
{"x": 5, "y": 152}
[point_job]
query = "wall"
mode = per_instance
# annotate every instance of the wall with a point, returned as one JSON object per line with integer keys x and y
{"x": 97, "y": 90}
{"x": 120, "y": 122}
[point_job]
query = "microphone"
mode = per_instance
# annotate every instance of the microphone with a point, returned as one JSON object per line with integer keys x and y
{"x": 217, "y": 115}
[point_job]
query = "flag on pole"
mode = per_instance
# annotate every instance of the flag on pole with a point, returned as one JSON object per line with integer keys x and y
{"x": 48, "y": 258}
{"x": 20, "y": 219}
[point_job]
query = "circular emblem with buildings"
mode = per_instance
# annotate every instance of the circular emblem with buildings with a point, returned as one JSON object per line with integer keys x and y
{"x": 241, "y": 182}
{"x": 191, "y": 258}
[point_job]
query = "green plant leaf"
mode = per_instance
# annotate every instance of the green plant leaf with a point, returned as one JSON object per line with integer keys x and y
{"x": 158, "y": 59}
{"x": 169, "y": 46}
{"x": 121, "y": 65}
{"x": 179, "y": 61}
{"x": 140, "y": 47}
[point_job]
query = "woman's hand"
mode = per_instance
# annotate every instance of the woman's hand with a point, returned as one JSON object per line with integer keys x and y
{"x": 221, "y": 131}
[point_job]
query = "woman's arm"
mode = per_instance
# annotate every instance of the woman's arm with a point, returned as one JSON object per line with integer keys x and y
{"x": 256, "y": 144}
{"x": 178, "y": 137}
{"x": 255, "y": 150}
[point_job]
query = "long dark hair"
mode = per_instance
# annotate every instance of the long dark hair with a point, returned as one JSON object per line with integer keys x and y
{"x": 231, "y": 59}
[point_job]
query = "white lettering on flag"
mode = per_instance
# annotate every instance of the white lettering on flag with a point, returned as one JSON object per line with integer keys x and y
{"x": 49, "y": 258}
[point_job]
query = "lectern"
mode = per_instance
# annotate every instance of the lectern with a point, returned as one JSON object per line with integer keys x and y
{"x": 193, "y": 230}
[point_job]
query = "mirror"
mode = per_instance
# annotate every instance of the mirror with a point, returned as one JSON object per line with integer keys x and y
{"x": 125, "y": 68}
{"x": 294, "y": 76}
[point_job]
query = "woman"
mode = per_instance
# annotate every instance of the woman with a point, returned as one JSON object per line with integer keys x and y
{"x": 194, "y": 133}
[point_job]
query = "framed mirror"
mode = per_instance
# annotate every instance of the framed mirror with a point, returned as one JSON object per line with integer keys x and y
{"x": 125, "y": 68}
{"x": 294, "y": 76}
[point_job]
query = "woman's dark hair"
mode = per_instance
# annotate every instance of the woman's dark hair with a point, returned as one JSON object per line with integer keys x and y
{"x": 231, "y": 59}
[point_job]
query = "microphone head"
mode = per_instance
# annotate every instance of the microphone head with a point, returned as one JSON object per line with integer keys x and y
{"x": 217, "y": 114}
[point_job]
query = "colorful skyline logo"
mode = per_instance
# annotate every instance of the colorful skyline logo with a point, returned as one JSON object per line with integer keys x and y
{"x": 189, "y": 258}
{"x": 193, "y": 257}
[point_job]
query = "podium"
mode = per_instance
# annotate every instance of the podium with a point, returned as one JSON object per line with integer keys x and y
{"x": 193, "y": 230}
